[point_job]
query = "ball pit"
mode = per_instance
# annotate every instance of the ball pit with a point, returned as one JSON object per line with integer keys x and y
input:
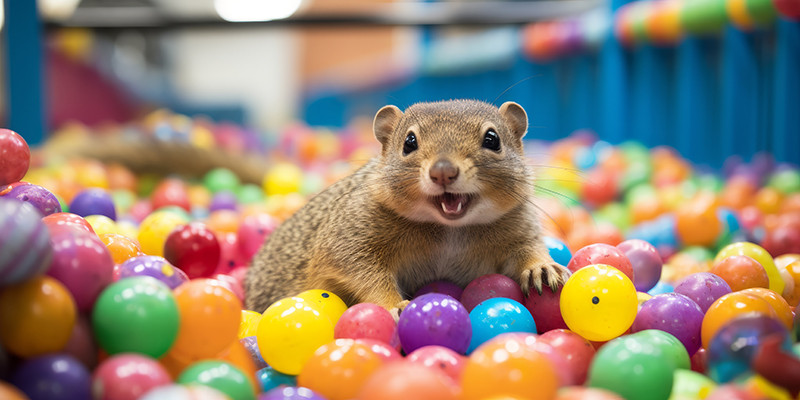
{"x": 656, "y": 222}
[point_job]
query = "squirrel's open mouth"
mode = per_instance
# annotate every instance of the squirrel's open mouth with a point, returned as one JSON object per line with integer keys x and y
{"x": 452, "y": 205}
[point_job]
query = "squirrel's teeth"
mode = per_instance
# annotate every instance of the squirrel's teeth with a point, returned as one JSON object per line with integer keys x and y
{"x": 444, "y": 207}
{"x": 449, "y": 211}
{"x": 458, "y": 210}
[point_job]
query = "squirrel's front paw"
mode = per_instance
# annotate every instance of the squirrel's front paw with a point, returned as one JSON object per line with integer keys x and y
{"x": 547, "y": 273}
{"x": 397, "y": 309}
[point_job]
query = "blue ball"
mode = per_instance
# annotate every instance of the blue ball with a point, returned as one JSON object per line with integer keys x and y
{"x": 270, "y": 379}
{"x": 660, "y": 288}
{"x": 558, "y": 250}
{"x": 53, "y": 377}
{"x": 93, "y": 201}
{"x": 496, "y": 316}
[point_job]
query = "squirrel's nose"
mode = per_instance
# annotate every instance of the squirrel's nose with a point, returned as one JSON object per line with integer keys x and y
{"x": 443, "y": 172}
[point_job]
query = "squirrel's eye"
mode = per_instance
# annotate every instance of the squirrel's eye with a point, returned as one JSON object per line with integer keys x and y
{"x": 491, "y": 141}
{"x": 410, "y": 144}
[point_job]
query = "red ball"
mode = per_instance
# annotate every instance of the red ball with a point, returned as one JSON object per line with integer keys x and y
{"x": 367, "y": 321}
{"x": 171, "y": 192}
{"x": 788, "y": 8}
{"x": 15, "y": 157}
{"x": 576, "y": 351}
{"x": 601, "y": 253}
{"x": 194, "y": 249}
{"x": 599, "y": 188}
{"x": 490, "y": 286}
{"x": 546, "y": 310}
{"x": 65, "y": 220}
{"x": 782, "y": 240}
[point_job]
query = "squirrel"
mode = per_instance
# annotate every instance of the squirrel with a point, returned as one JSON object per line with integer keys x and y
{"x": 448, "y": 197}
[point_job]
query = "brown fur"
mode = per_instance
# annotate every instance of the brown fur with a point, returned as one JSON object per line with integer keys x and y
{"x": 361, "y": 239}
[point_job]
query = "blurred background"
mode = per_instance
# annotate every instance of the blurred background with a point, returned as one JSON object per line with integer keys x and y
{"x": 711, "y": 78}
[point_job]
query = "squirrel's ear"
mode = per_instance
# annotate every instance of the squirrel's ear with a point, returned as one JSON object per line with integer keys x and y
{"x": 516, "y": 117}
{"x": 385, "y": 121}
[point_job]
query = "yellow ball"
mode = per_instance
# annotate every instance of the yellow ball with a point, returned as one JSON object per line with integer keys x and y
{"x": 599, "y": 302}
{"x": 249, "y": 324}
{"x": 153, "y": 231}
{"x": 283, "y": 178}
{"x": 326, "y": 303}
{"x": 102, "y": 224}
{"x": 289, "y": 332}
{"x": 756, "y": 252}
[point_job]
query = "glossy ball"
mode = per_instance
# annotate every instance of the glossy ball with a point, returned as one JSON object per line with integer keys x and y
{"x": 220, "y": 179}
{"x": 137, "y": 314}
{"x": 93, "y": 201}
{"x": 338, "y": 369}
{"x": 230, "y": 256}
{"x": 53, "y": 377}
{"x": 36, "y": 317}
{"x": 496, "y": 316}
{"x": 121, "y": 248}
{"x": 210, "y": 316}
{"x": 289, "y": 332}
{"x": 367, "y": 320}
{"x": 728, "y": 307}
{"x": 434, "y": 319}
{"x": 155, "y": 267}
{"x": 253, "y": 231}
{"x": 219, "y": 375}
{"x": 83, "y": 264}
{"x": 185, "y": 392}
{"x": 697, "y": 223}
{"x": 783, "y": 311}
{"x": 490, "y": 286}
{"x": 249, "y": 324}
{"x": 741, "y": 272}
{"x": 545, "y": 309}
{"x": 325, "y": 302}
{"x": 733, "y": 348}
{"x": 40, "y": 198}
{"x": 155, "y": 228}
{"x": 270, "y": 379}
{"x": 101, "y": 224}
{"x": 646, "y": 263}
{"x": 407, "y": 380}
{"x": 440, "y": 359}
{"x": 673, "y": 313}
{"x": 704, "y": 288}
{"x": 282, "y": 178}
{"x": 171, "y": 192}
{"x": 25, "y": 249}
{"x": 599, "y": 302}
{"x": 601, "y": 253}
{"x": 194, "y": 249}
{"x": 576, "y": 352}
{"x": 15, "y": 157}
{"x": 291, "y": 393}
{"x": 65, "y": 220}
{"x": 385, "y": 351}
{"x": 757, "y": 253}
{"x": 558, "y": 250}
{"x": 127, "y": 377}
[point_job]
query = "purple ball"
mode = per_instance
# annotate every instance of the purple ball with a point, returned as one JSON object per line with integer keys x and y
{"x": 675, "y": 314}
{"x": 40, "y": 198}
{"x": 704, "y": 288}
{"x": 435, "y": 319}
{"x": 83, "y": 264}
{"x": 153, "y": 266}
{"x": 93, "y": 201}
{"x": 290, "y": 393}
{"x": 223, "y": 200}
{"x": 490, "y": 286}
{"x": 251, "y": 345}
{"x": 54, "y": 377}
{"x": 25, "y": 249}
{"x": 443, "y": 287}
{"x": 646, "y": 263}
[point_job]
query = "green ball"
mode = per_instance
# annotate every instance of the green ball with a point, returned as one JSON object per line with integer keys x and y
{"x": 689, "y": 384}
{"x": 219, "y": 375}
{"x": 616, "y": 214}
{"x": 786, "y": 182}
{"x": 704, "y": 17}
{"x": 123, "y": 199}
{"x": 670, "y": 345}
{"x": 633, "y": 367}
{"x": 699, "y": 253}
{"x": 137, "y": 314}
{"x": 763, "y": 12}
{"x": 219, "y": 179}
{"x": 639, "y": 193}
{"x": 147, "y": 184}
{"x": 249, "y": 194}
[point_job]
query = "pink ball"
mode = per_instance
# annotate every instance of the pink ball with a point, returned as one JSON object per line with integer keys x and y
{"x": 441, "y": 359}
{"x": 253, "y": 230}
{"x": 490, "y": 286}
{"x": 367, "y": 321}
{"x": 15, "y": 157}
{"x": 601, "y": 253}
{"x": 231, "y": 255}
{"x": 128, "y": 377}
{"x": 645, "y": 261}
{"x": 546, "y": 310}
{"x": 81, "y": 343}
{"x": 82, "y": 263}
{"x": 576, "y": 352}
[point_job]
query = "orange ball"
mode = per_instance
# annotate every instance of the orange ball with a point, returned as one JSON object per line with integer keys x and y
{"x": 10, "y": 392}
{"x": 405, "y": 380}
{"x": 793, "y": 271}
{"x": 339, "y": 369}
{"x": 36, "y": 317}
{"x": 121, "y": 247}
{"x": 210, "y": 317}
{"x": 737, "y": 193}
{"x": 768, "y": 200}
{"x": 239, "y": 357}
{"x": 741, "y": 272}
{"x": 223, "y": 221}
{"x": 506, "y": 365}
{"x": 777, "y": 302}
{"x": 728, "y": 307}
{"x": 697, "y": 222}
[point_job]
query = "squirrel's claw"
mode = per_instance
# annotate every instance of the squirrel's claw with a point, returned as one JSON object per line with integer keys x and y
{"x": 397, "y": 309}
{"x": 550, "y": 273}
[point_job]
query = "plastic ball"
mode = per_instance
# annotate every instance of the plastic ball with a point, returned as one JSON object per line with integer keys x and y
{"x": 83, "y": 264}
{"x": 733, "y": 347}
{"x": 155, "y": 228}
{"x": 209, "y": 321}
{"x": 194, "y": 249}
{"x": 646, "y": 263}
{"x": 601, "y": 253}
{"x": 67, "y": 220}
{"x": 40, "y": 198}
{"x": 441, "y": 286}
{"x": 704, "y": 288}
{"x": 507, "y": 365}
{"x": 496, "y": 316}
{"x": 15, "y": 157}
{"x": 270, "y": 379}
{"x": 558, "y": 250}
{"x": 81, "y": 343}
{"x": 367, "y": 320}
{"x": 599, "y": 302}
{"x": 283, "y": 178}
{"x": 223, "y": 200}
{"x": 757, "y": 253}
{"x": 253, "y": 231}
{"x": 577, "y": 354}
{"x": 490, "y": 286}
{"x": 36, "y": 317}
{"x": 689, "y": 384}
{"x": 220, "y": 179}
{"x": 121, "y": 248}
{"x": 545, "y": 309}
{"x": 171, "y": 192}
{"x": 10, "y": 392}
{"x": 230, "y": 255}
{"x": 219, "y": 375}
{"x": 728, "y": 307}
{"x": 53, "y": 377}
{"x": 586, "y": 393}
{"x": 101, "y": 224}
{"x": 155, "y": 267}
{"x": 289, "y": 332}
{"x": 675, "y": 314}
{"x": 337, "y": 370}
{"x": 434, "y": 319}
{"x": 137, "y": 314}
{"x": 440, "y": 359}
{"x": 325, "y": 302}
{"x": 407, "y": 380}
{"x": 741, "y": 272}
{"x": 93, "y": 201}
{"x": 782, "y": 309}
{"x": 250, "y": 344}
{"x": 291, "y": 393}
{"x": 249, "y": 194}
{"x": 383, "y": 350}
{"x": 127, "y": 377}
{"x": 248, "y": 324}
{"x": 25, "y": 249}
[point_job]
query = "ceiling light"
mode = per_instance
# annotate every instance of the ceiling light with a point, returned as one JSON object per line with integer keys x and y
{"x": 255, "y": 10}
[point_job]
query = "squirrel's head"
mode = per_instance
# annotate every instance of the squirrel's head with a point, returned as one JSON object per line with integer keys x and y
{"x": 455, "y": 162}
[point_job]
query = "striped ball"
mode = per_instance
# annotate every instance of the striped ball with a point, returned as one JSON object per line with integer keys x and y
{"x": 25, "y": 249}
